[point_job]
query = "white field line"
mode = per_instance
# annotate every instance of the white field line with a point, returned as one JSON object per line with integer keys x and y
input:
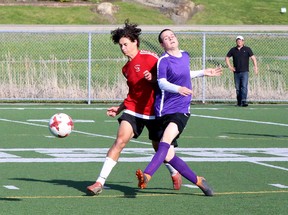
{"x": 11, "y": 187}
{"x": 52, "y": 108}
{"x": 240, "y": 120}
{"x": 145, "y": 155}
{"x": 281, "y": 186}
{"x": 249, "y": 121}
{"x": 74, "y": 131}
{"x": 110, "y": 137}
{"x": 269, "y": 165}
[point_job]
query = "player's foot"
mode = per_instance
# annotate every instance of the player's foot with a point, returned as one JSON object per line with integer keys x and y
{"x": 142, "y": 179}
{"x": 203, "y": 185}
{"x": 177, "y": 181}
{"x": 95, "y": 189}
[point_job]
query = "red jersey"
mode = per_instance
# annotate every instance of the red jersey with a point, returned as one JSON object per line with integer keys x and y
{"x": 140, "y": 98}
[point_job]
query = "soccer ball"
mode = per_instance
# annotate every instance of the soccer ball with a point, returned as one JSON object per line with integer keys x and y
{"x": 61, "y": 125}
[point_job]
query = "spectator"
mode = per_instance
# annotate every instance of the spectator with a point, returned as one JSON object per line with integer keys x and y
{"x": 241, "y": 55}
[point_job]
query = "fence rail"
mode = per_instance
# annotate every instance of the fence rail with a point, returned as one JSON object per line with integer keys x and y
{"x": 86, "y": 66}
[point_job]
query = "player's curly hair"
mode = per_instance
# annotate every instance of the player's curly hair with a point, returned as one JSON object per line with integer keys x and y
{"x": 129, "y": 31}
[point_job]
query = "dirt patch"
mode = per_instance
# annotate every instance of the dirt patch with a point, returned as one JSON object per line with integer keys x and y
{"x": 180, "y": 11}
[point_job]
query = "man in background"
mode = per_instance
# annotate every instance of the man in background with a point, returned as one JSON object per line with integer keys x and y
{"x": 241, "y": 55}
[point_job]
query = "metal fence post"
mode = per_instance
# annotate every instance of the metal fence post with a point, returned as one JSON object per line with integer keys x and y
{"x": 89, "y": 68}
{"x": 203, "y": 67}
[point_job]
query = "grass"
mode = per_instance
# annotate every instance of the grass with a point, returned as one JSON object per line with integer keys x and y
{"x": 59, "y": 187}
{"x": 244, "y": 12}
{"x": 49, "y": 15}
{"x": 82, "y": 15}
{"x": 221, "y": 12}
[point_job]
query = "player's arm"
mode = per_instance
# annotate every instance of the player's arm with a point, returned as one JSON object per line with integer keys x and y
{"x": 210, "y": 72}
{"x": 196, "y": 73}
{"x": 173, "y": 88}
{"x": 165, "y": 85}
{"x": 115, "y": 110}
{"x": 150, "y": 77}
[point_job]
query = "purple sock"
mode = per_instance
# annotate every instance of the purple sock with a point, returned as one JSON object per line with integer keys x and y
{"x": 157, "y": 159}
{"x": 183, "y": 169}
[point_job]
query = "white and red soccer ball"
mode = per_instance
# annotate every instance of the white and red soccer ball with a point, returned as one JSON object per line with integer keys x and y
{"x": 61, "y": 125}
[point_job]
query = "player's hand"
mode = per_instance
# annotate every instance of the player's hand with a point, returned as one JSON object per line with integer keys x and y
{"x": 213, "y": 71}
{"x": 184, "y": 91}
{"x": 147, "y": 75}
{"x": 112, "y": 111}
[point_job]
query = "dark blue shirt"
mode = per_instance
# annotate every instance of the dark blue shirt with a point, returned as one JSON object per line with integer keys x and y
{"x": 240, "y": 58}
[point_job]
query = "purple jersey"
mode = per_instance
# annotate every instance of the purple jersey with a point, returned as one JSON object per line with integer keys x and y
{"x": 177, "y": 71}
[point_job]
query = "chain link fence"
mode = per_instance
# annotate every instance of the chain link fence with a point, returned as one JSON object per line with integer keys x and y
{"x": 86, "y": 66}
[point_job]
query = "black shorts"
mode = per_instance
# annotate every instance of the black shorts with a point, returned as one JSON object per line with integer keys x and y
{"x": 180, "y": 119}
{"x": 138, "y": 124}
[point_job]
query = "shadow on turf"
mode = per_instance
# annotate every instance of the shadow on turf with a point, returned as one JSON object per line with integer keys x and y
{"x": 128, "y": 192}
{"x": 10, "y": 199}
{"x": 259, "y": 135}
{"x": 79, "y": 185}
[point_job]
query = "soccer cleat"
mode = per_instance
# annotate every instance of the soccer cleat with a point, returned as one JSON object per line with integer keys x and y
{"x": 203, "y": 185}
{"x": 177, "y": 181}
{"x": 142, "y": 180}
{"x": 95, "y": 189}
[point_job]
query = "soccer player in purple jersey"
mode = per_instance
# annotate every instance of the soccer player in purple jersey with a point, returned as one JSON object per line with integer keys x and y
{"x": 172, "y": 108}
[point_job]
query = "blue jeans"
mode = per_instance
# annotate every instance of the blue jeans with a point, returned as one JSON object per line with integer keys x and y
{"x": 241, "y": 85}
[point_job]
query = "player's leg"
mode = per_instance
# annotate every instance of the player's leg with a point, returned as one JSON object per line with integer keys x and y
{"x": 170, "y": 168}
{"x": 155, "y": 134}
{"x": 180, "y": 165}
{"x": 184, "y": 170}
{"x": 175, "y": 175}
{"x": 125, "y": 133}
{"x": 171, "y": 131}
{"x": 188, "y": 173}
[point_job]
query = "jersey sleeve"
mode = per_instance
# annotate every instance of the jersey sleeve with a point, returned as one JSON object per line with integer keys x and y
{"x": 250, "y": 52}
{"x": 229, "y": 54}
{"x": 162, "y": 68}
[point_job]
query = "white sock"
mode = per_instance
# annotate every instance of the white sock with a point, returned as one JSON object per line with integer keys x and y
{"x": 171, "y": 169}
{"x": 107, "y": 167}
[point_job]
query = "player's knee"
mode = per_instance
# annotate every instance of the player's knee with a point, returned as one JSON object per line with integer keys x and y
{"x": 120, "y": 144}
{"x": 169, "y": 156}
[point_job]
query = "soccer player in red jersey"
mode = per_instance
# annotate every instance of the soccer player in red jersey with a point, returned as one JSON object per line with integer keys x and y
{"x": 138, "y": 107}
